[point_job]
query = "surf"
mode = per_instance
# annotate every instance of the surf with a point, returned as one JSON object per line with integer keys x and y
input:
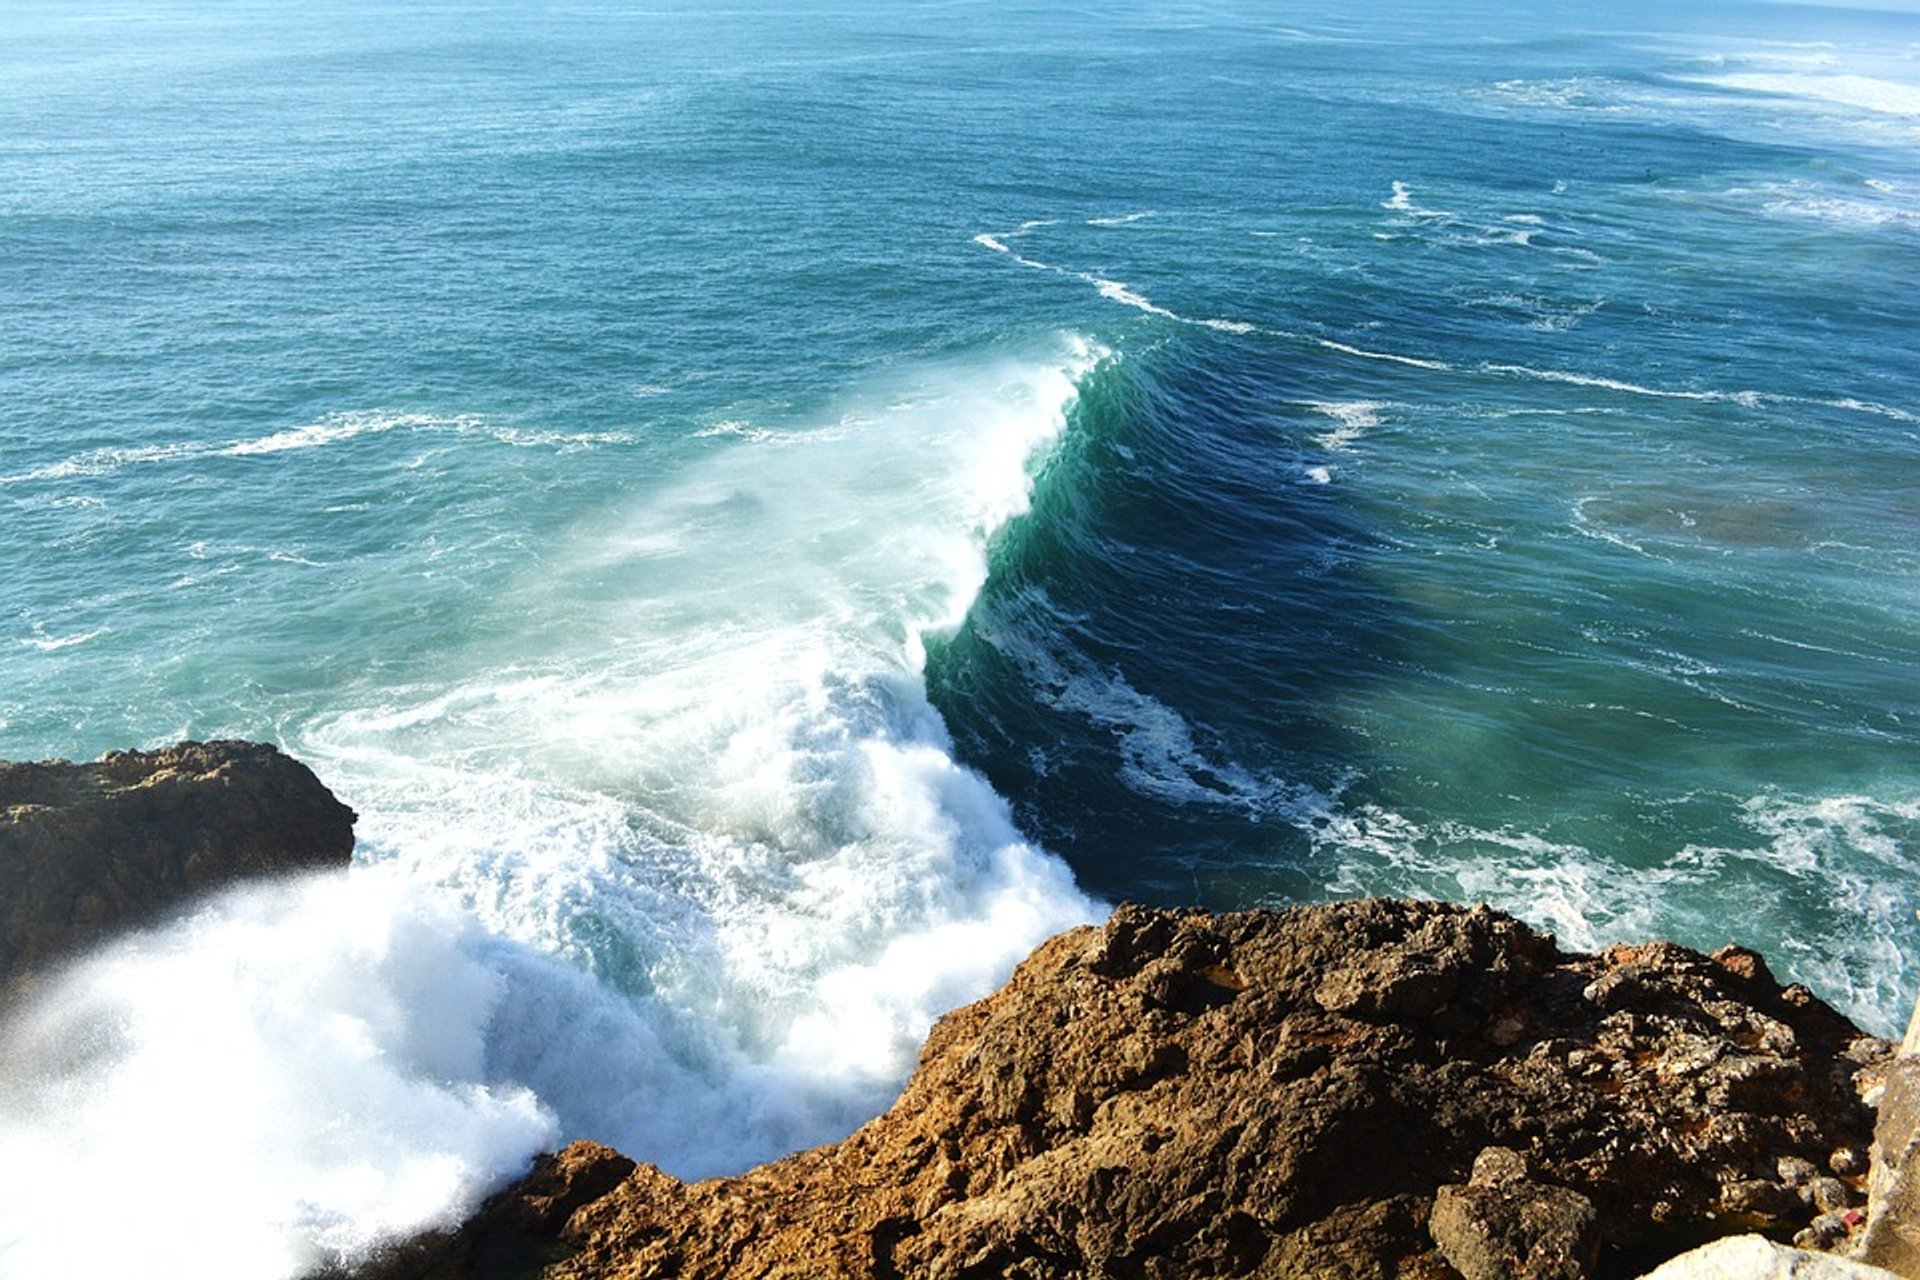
{"x": 686, "y": 865}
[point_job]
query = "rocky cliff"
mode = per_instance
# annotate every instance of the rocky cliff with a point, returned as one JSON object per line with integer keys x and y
{"x": 88, "y": 849}
{"x": 1367, "y": 1089}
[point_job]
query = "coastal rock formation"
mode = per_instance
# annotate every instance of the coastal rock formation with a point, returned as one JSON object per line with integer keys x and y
{"x": 1365, "y": 1089}
{"x": 88, "y": 849}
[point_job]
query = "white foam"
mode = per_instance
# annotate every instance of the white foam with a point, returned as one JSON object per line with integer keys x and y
{"x": 1590, "y": 94}
{"x": 677, "y": 858}
{"x": 1854, "y": 405}
{"x": 1604, "y": 383}
{"x": 50, "y": 643}
{"x": 99, "y": 462}
{"x": 1121, "y": 220}
{"x": 1402, "y": 202}
{"x": 316, "y": 1052}
{"x": 1865, "y": 93}
{"x": 1416, "y": 362}
{"x": 1126, "y": 295}
{"x": 1355, "y": 419}
{"x": 1116, "y": 291}
{"x": 1845, "y": 855}
{"x": 1587, "y": 527}
{"x": 1844, "y": 212}
{"x": 315, "y": 435}
{"x": 333, "y": 429}
{"x": 1856, "y": 850}
{"x": 1158, "y": 755}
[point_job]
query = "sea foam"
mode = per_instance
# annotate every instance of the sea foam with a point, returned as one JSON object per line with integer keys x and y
{"x": 283, "y": 1078}
{"x": 685, "y": 863}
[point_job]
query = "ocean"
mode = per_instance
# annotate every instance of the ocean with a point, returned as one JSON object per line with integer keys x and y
{"x": 768, "y": 512}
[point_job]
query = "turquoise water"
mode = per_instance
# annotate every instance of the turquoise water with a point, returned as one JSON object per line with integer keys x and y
{"x": 769, "y": 513}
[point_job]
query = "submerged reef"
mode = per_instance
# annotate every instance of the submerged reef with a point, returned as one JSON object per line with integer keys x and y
{"x": 87, "y": 850}
{"x": 1360, "y": 1089}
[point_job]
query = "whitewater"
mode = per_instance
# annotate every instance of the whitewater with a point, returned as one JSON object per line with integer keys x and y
{"x": 694, "y": 877}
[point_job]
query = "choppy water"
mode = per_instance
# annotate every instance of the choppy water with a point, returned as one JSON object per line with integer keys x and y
{"x": 769, "y": 513}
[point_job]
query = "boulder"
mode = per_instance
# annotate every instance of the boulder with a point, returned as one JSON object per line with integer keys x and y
{"x": 90, "y": 849}
{"x": 1502, "y": 1225}
{"x": 1758, "y": 1258}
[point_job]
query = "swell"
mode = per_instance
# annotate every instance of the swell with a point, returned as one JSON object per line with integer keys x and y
{"x": 1406, "y": 666}
{"x": 1465, "y": 372}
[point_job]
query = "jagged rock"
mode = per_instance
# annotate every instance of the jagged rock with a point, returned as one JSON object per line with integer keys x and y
{"x": 1757, "y": 1258}
{"x": 1281, "y": 1094}
{"x": 1518, "y": 1230}
{"x": 88, "y": 849}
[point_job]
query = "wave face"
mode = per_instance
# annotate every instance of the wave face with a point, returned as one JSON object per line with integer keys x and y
{"x": 753, "y": 507}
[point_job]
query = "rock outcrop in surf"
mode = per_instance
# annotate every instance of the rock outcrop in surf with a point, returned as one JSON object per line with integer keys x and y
{"x": 89, "y": 849}
{"x": 1363, "y": 1089}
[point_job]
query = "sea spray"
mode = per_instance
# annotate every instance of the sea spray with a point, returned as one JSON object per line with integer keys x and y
{"x": 284, "y": 1077}
{"x": 689, "y": 869}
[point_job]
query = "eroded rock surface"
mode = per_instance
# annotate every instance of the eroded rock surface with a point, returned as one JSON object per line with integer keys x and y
{"x": 89, "y": 849}
{"x": 1183, "y": 1095}
{"x": 1757, "y": 1258}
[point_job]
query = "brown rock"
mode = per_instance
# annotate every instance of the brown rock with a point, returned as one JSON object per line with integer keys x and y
{"x": 1498, "y": 1167}
{"x": 1284, "y": 1094}
{"x": 1829, "y": 1195}
{"x": 1757, "y": 1199}
{"x": 87, "y": 849}
{"x": 1517, "y": 1230}
{"x": 1796, "y": 1171}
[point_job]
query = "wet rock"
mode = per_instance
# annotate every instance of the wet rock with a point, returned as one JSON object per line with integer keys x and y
{"x": 89, "y": 849}
{"x": 1361, "y": 1090}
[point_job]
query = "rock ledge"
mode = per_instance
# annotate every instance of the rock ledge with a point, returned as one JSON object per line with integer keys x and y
{"x": 1374, "y": 1089}
{"x": 89, "y": 849}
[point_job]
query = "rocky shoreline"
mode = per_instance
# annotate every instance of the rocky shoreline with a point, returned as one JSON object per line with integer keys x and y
{"x": 1361, "y": 1089}
{"x": 1375, "y": 1090}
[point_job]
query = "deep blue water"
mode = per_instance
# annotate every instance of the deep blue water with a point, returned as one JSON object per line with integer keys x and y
{"x": 769, "y": 512}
